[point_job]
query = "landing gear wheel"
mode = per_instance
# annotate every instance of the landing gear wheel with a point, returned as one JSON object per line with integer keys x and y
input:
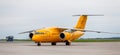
{"x": 68, "y": 43}
{"x": 38, "y": 44}
{"x": 53, "y": 43}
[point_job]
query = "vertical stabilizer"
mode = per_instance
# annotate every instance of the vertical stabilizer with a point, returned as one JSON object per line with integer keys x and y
{"x": 83, "y": 19}
{"x": 81, "y": 22}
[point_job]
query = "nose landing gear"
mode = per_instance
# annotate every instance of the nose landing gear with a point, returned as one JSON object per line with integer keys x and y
{"x": 38, "y": 44}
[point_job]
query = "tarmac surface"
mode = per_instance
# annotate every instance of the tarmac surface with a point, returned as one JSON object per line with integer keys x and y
{"x": 76, "y": 48}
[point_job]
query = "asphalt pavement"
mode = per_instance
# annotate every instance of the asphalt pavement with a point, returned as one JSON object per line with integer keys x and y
{"x": 76, "y": 48}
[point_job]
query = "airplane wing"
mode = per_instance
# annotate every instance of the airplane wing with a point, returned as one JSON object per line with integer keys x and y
{"x": 95, "y": 31}
{"x": 83, "y": 30}
{"x": 35, "y": 31}
{"x": 63, "y": 29}
{"x": 31, "y": 31}
{"x": 27, "y": 32}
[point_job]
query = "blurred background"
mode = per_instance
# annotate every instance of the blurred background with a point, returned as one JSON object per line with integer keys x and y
{"x": 22, "y": 15}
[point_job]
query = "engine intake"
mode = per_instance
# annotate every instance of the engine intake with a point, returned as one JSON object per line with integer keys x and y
{"x": 62, "y": 35}
{"x": 31, "y": 35}
{"x": 65, "y": 36}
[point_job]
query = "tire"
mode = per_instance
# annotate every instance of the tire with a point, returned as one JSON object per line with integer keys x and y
{"x": 68, "y": 43}
{"x": 38, "y": 44}
{"x": 53, "y": 43}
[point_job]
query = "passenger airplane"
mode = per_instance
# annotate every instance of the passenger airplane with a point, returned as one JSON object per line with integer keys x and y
{"x": 57, "y": 34}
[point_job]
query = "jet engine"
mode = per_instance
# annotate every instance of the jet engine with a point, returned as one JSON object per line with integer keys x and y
{"x": 65, "y": 35}
{"x": 70, "y": 35}
{"x": 31, "y": 35}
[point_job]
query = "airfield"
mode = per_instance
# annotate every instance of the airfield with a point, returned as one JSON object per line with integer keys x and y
{"x": 76, "y": 48}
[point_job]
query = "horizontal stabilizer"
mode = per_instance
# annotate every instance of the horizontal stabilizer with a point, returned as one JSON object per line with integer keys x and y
{"x": 89, "y": 15}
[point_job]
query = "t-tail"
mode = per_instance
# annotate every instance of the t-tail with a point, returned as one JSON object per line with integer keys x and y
{"x": 82, "y": 21}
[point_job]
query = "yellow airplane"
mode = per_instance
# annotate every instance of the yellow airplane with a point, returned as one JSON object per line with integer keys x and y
{"x": 56, "y": 34}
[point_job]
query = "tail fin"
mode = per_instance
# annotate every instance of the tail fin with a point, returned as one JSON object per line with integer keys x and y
{"x": 82, "y": 21}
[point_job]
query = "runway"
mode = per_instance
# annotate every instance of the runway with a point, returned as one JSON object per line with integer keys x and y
{"x": 77, "y": 48}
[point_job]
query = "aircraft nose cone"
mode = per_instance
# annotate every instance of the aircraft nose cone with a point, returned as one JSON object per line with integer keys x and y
{"x": 35, "y": 38}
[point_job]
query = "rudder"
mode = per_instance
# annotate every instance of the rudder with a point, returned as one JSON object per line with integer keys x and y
{"x": 81, "y": 22}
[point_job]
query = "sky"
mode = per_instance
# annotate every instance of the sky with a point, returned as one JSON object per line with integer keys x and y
{"x": 22, "y": 15}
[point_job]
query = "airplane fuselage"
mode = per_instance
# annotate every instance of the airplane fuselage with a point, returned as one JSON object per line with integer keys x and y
{"x": 57, "y": 34}
{"x": 53, "y": 34}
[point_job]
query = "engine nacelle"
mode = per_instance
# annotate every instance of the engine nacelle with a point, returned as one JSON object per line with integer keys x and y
{"x": 65, "y": 35}
{"x": 70, "y": 35}
{"x": 31, "y": 35}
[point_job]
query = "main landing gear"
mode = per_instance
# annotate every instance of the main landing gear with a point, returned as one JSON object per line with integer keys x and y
{"x": 54, "y": 43}
{"x": 38, "y": 44}
{"x": 68, "y": 43}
